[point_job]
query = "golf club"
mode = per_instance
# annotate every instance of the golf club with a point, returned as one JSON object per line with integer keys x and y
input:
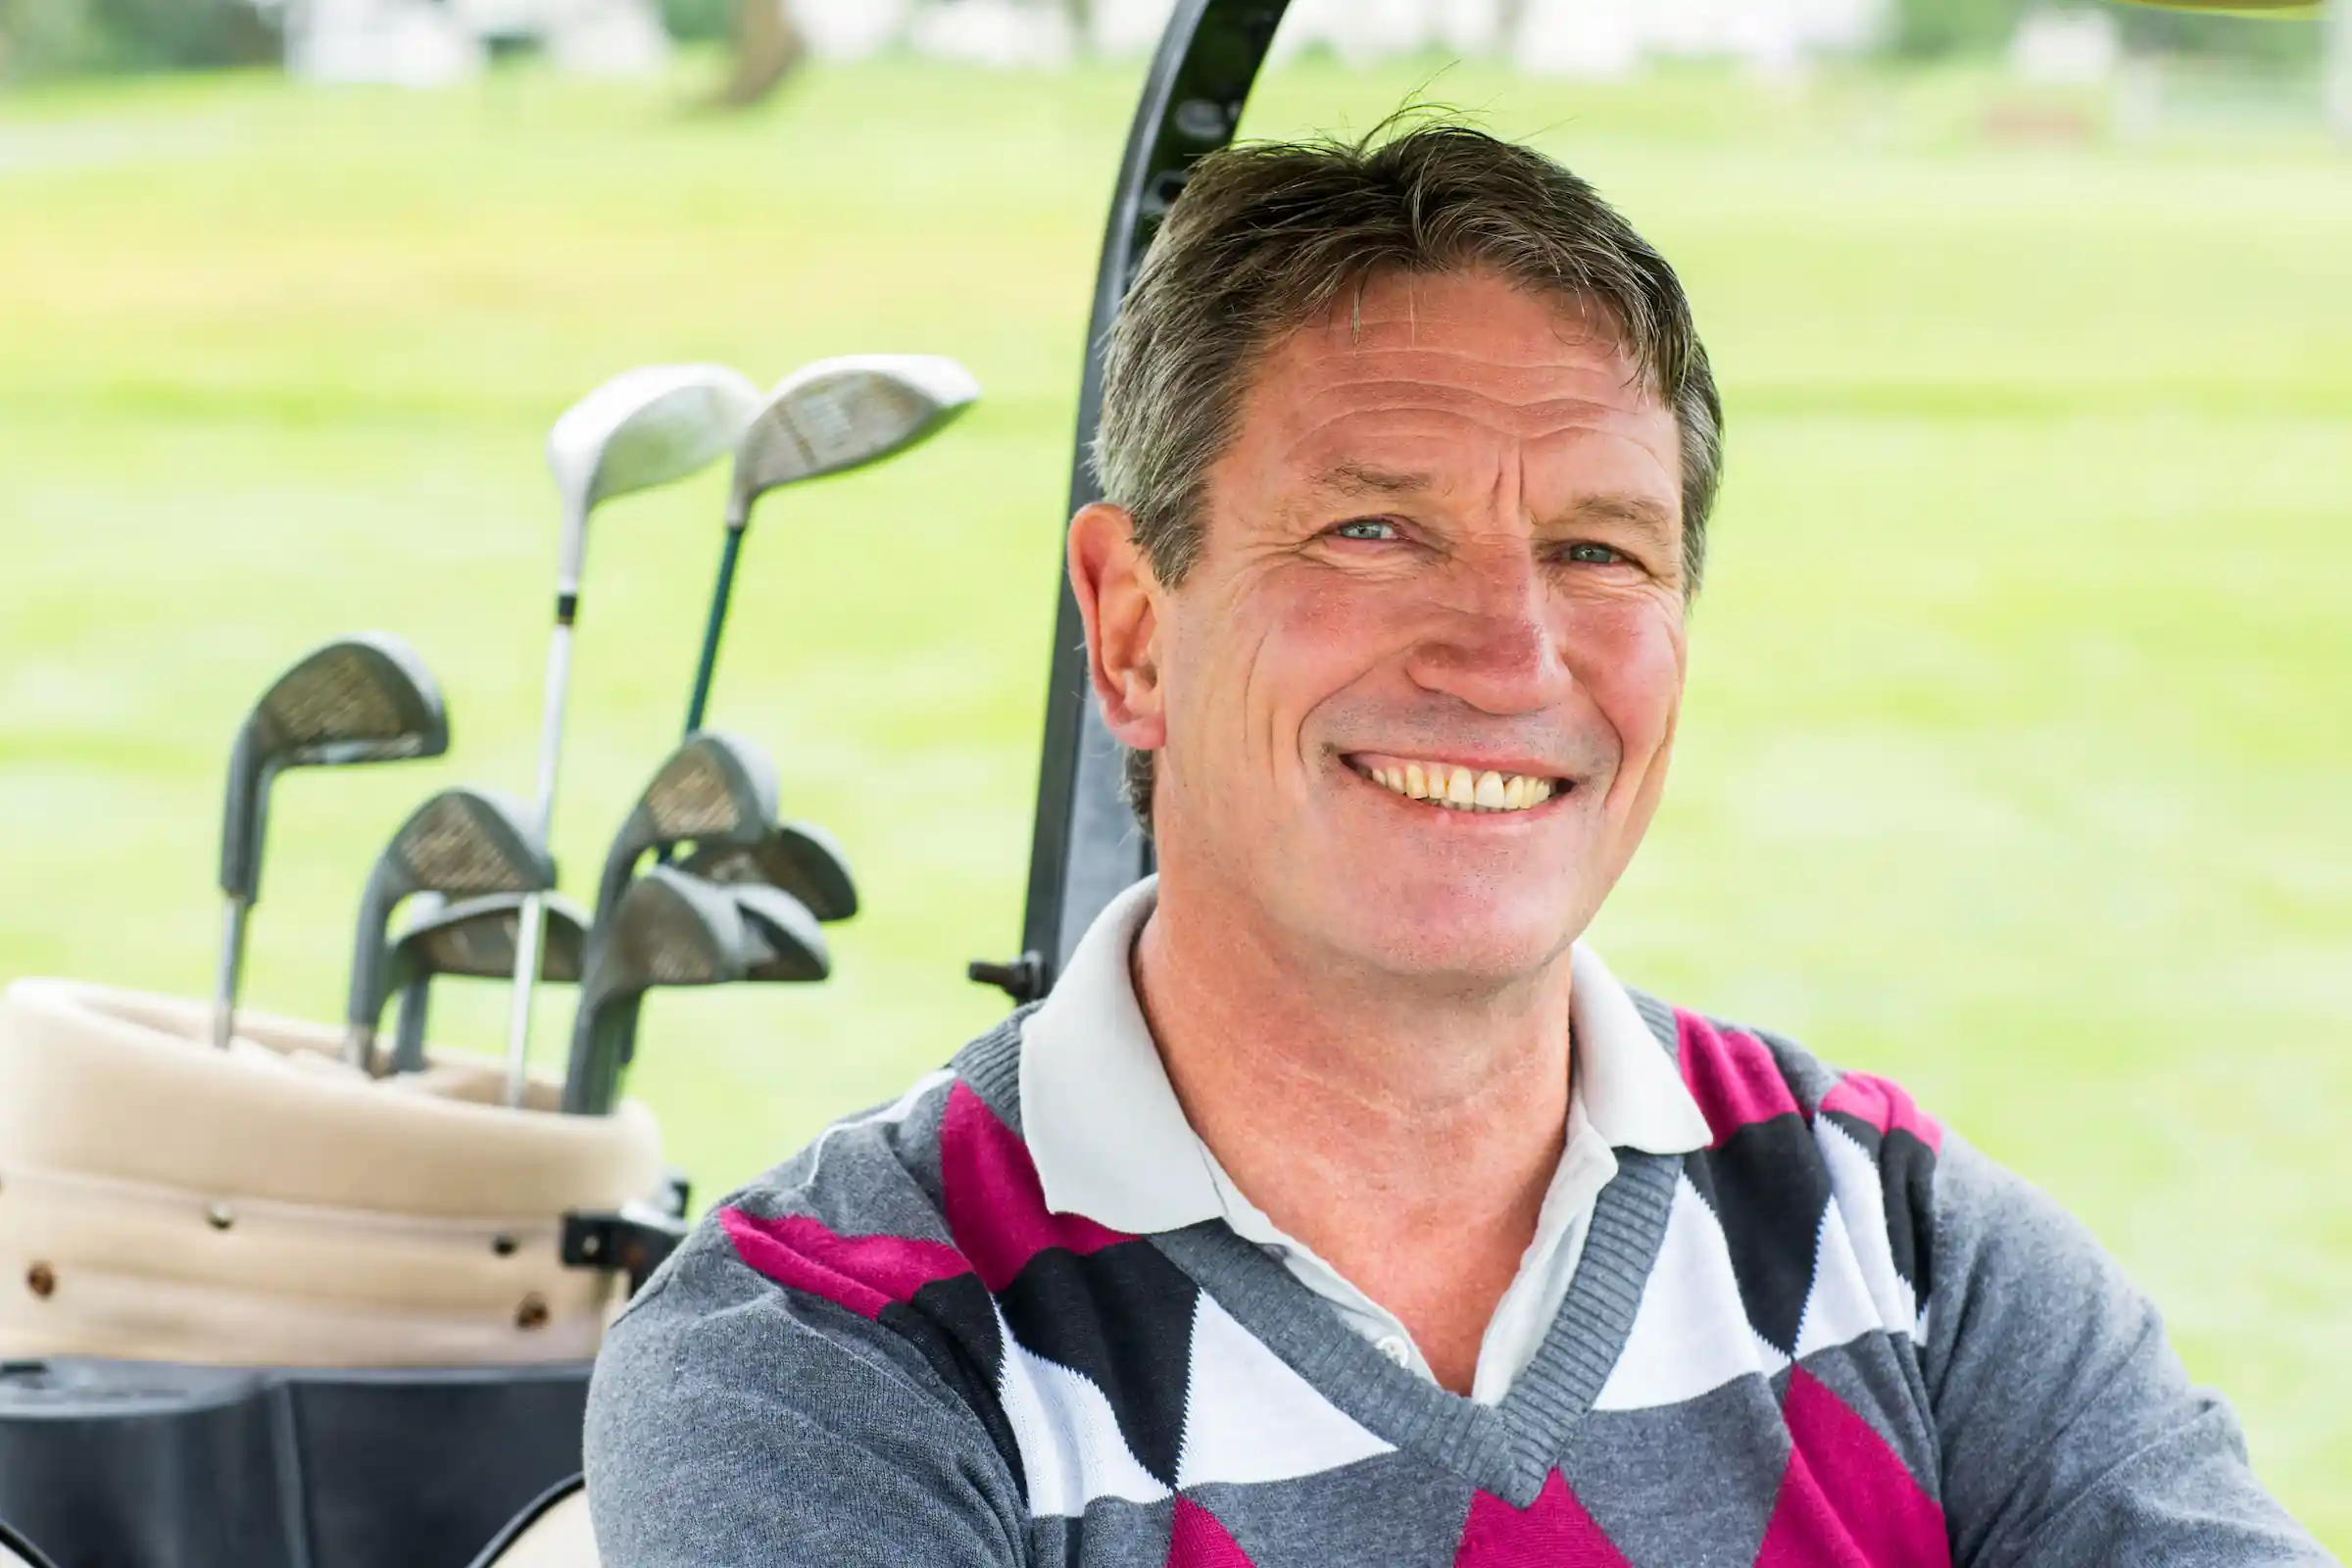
{"x": 714, "y": 789}
{"x": 796, "y": 945}
{"x": 461, "y": 841}
{"x": 644, "y": 428}
{"x": 666, "y": 929}
{"x": 365, "y": 698}
{"x": 800, "y": 857}
{"x": 474, "y": 938}
{"x": 826, "y": 418}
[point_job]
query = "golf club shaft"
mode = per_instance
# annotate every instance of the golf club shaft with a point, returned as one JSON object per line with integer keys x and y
{"x": 232, "y": 961}
{"x": 408, "y": 1035}
{"x": 700, "y": 703}
{"x": 713, "y": 629}
{"x": 591, "y": 1086}
{"x": 532, "y": 922}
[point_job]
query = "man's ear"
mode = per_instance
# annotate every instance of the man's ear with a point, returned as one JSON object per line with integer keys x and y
{"x": 1120, "y": 600}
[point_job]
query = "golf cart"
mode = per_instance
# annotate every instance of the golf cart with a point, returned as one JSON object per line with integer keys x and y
{"x": 203, "y": 1409}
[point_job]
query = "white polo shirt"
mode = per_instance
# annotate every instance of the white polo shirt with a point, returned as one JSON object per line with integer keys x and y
{"x": 1111, "y": 1142}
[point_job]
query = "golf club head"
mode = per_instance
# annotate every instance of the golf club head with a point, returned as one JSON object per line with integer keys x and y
{"x": 842, "y": 413}
{"x": 714, "y": 789}
{"x": 365, "y": 698}
{"x": 462, "y": 840}
{"x": 644, "y": 428}
{"x": 666, "y": 929}
{"x": 476, "y": 938}
{"x": 795, "y": 943}
{"x": 800, "y": 857}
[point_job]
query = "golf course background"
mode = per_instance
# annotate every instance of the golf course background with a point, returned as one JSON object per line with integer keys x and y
{"x": 2017, "y": 760}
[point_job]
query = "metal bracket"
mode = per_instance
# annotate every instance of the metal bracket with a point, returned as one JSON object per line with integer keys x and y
{"x": 633, "y": 1241}
{"x": 1023, "y": 979}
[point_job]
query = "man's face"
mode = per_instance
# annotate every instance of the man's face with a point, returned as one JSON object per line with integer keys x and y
{"x": 1445, "y": 553}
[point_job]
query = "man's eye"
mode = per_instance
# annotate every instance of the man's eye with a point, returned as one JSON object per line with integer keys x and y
{"x": 1372, "y": 528}
{"x": 1588, "y": 554}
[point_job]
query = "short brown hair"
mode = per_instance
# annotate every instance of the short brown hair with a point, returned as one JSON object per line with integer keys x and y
{"x": 1267, "y": 236}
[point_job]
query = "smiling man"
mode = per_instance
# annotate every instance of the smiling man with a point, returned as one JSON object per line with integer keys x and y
{"x": 1341, "y": 1207}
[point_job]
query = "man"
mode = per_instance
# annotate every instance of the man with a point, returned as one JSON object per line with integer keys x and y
{"x": 1338, "y": 1206}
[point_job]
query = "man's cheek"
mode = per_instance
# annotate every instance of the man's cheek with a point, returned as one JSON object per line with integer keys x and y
{"x": 1636, "y": 680}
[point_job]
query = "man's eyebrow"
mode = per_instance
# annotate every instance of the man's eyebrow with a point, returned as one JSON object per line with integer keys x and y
{"x": 1642, "y": 511}
{"x": 1360, "y": 478}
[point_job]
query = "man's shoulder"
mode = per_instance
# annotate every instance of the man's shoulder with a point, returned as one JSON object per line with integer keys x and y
{"x": 1744, "y": 1077}
{"x": 859, "y": 1216}
{"x": 1817, "y": 1185}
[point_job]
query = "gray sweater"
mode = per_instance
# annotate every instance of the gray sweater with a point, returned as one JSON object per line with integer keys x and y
{"x": 1837, "y": 1338}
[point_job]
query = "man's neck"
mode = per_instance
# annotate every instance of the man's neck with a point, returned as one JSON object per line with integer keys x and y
{"x": 1405, "y": 1132}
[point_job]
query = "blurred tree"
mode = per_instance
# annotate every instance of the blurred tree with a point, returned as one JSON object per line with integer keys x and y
{"x": 2271, "y": 41}
{"x": 699, "y": 20}
{"x": 43, "y": 37}
{"x": 768, "y": 48}
{"x": 1937, "y": 28}
{"x": 1930, "y": 30}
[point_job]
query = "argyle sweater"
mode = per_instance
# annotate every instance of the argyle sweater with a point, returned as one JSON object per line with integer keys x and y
{"x": 1837, "y": 1338}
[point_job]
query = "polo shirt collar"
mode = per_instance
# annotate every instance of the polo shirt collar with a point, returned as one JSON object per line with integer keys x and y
{"x": 1109, "y": 1136}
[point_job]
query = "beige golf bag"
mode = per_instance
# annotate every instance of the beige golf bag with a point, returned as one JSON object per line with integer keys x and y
{"x": 332, "y": 1298}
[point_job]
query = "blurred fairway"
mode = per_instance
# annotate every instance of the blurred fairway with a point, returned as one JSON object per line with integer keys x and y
{"x": 2017, "y": 757}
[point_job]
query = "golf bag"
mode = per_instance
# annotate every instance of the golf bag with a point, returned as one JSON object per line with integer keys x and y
{"x": 257, "y": 1309}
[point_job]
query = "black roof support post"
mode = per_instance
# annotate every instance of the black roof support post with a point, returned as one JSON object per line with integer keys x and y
{"x": 1086, "y": 848}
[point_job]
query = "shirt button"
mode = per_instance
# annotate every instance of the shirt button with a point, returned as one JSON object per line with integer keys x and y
{"x": 1395, "y": 1348}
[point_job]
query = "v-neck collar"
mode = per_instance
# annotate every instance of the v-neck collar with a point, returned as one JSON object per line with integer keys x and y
{"x": 1507, "y": 1448}
{"x": 1111, "y": 1142}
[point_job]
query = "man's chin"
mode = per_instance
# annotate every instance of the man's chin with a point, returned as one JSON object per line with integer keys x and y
{"x": 1468, "y": 941}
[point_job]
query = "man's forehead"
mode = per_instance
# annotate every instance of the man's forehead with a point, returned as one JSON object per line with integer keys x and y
{"x": 1468, "y": 349}
{"x": 1476, "y": 315}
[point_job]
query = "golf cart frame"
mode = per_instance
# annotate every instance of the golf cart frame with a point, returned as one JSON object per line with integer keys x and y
{"x": 143, "y": 1464}
{"x": 1085, "y": 846}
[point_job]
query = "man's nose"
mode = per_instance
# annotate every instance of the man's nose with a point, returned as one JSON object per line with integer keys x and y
{"x": 1492, "y": 644}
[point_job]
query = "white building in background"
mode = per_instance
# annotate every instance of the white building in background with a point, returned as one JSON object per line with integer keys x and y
{"x": 1582, "y": 37}
{"x": 398, "y": 43}
{"x": 425, "y": 42}
{"x": 431, "y": 43}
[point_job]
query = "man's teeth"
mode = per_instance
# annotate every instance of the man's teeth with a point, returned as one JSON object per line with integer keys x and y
{"x": 1460, "y": 790}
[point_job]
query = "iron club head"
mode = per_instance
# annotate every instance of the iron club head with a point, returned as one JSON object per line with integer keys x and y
{"x": 796, "y": 945}
{"x": 365, "y": 698}
{"x": 461, "y": 841}
{"x": 799, "y": 858}
{"x": 842, "y": 413}
{"x": 666, "y": 929}
{"x": 476, "y": 938}
{"x": 714, "y": 789}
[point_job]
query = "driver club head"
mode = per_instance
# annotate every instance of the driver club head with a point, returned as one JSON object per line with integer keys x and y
{"x": 714, "y": 789}
{"x": 666, "y": 929}
{"x": 647, "y": 427}
{"x": 642, "y": 428}
{"x": 799, "y": 858}
{"x": 474, "y": 938}
{"x": 461, "y": 841}
{"x": 842, "y": 413}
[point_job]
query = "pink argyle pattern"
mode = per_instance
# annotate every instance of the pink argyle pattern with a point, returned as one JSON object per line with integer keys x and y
{"x": 1109, "y": 1378}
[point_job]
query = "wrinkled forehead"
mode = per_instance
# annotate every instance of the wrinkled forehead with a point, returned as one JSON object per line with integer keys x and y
{"x": 1427, "y": 364}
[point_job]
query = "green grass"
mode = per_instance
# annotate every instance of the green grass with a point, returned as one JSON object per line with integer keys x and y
{"x": 2017, "y": 754}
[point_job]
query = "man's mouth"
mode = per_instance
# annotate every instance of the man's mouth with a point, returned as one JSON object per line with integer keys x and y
{"x": 1457, "y": 786}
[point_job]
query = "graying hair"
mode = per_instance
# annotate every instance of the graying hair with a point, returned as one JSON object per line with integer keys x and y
{"x": 1268, "y": 236}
